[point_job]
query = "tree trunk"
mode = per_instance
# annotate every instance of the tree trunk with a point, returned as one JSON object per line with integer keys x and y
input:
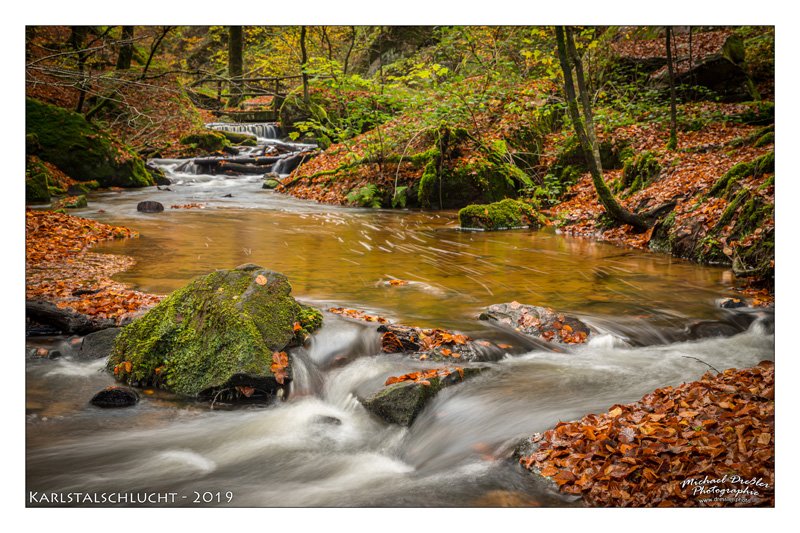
{"x": 584, "y": 129}
{"x": 349, "y": 49}
{"x": 153, "y": 47}
{"x": 673, "y": 120}
{"x": 303, "y": 61}
{"x": 77, "y": 39}
{"x": 235, "y": 64}
{"x": 125, "y": 49}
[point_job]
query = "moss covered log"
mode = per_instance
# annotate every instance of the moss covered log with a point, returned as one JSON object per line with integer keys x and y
{"x": 218, "y": 332}
{"x": 80, "y": 149}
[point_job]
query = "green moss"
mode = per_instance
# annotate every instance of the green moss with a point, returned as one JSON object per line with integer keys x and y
{"x": 757, "y": 167}
{"x": 752, "y": 215}
{"x": 270, "y": 183}
{"x": 764, "y": 140}
{"x": 37, "y": 180}
{"x": 219, "y": 326}
{"x": 208, "y": 141}
{"x": 499, "y": 215}
{"x": 244, "y": 139}
{"x": 639, "y": 171}
{"x": 80, "y": 149}
{"x": 71, "y": 202}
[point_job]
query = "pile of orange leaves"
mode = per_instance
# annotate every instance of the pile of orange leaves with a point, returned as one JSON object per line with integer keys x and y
{"x": 423, "y": 376}
{"x": 60, "y": 269}
{"x": 715, "y": 432}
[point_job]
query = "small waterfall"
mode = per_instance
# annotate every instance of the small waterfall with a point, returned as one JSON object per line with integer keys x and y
{"x": 262, "y": 130}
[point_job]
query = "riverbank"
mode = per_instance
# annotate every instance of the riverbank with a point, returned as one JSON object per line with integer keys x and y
{"x": 60, "y": 269}
{"x": 707, "y": 443}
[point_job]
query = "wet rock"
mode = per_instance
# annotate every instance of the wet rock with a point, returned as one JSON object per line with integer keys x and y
{"x": 434, "y": 344}
{"x": 115, "y": 397}
{"x": 98, "y": 344}
{"x": 225, "y": 330}
{"x": 150, "y": 207}
{"x": 64, "y": 320}
{"x": 270, "y": 183}
{"x": 71, "y": 202}
{"x": 55, "y": 354}
{"x": 400, "y": 403}
{"x": 732, "y": 303}
{"x": 539, "y": 322}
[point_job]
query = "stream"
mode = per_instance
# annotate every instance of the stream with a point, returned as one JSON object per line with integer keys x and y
{"x": 656, "y": 322}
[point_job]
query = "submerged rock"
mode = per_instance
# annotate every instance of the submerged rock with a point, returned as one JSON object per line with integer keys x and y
{"x": 506, "y": 214}
{"x": 150, "y": 207}
{"x": 115, "y": 397}
{"x": 732, "y": 303}
{"x": 539, "y": 322}
{"x": 223, "y": 331}
{"x": 401, "y": 402}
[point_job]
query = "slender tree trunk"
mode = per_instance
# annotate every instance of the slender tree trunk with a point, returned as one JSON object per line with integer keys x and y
{"x": 587, "y": 138}
{"x": 77, "y": 39}
{"x": 125, "y": 49}
{"x": 673, "y": 119}
{"x": 349, "y": 49}
{"x": 235, "y": 64}
{"x": 303, "y": 61}
{"x": 164, "y": 31}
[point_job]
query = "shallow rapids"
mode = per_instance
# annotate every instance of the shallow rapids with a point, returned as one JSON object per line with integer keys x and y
{"x": 655, "y": 320}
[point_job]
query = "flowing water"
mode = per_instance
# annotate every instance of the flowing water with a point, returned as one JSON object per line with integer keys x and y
{"x": 655, "y": 318}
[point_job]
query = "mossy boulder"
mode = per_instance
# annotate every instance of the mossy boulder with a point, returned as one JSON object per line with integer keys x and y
{"x": 639, "y": 171}
{"x": 243, "y": 139}
{"x": 71, "y": 202}
{"x": 37, "y": 181}
{"x": 207, "y": 141}
{"x": 221, "y": 332}
{"x": 270, "y": 183}
{"x": 80, "y": 149}
{"x": 505, "y": 214}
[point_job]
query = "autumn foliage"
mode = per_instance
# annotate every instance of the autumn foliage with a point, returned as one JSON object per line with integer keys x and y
{"x": 656, "y": 452}
{"x": 60, "y": 269}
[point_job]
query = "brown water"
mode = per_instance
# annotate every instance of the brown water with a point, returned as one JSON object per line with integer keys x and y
{"x": 652, "y": 315}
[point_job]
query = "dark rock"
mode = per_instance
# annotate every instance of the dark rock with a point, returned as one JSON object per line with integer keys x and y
{"x": 539, "y": 322}
{"x": 55, "y": 354}
{"x": 732, "y": 303}
{"x": 150, "y": 207}
{"x": 400, "y": 403}
{"x": 65, "y": 320}
{"x": 115, "y": 397}
{"x": 98, "y": 344}
{"x": 158, "y": 176}
{"x": 328, "y": 420}
{"x": 218, "y": 332}
{"x": 434, "y": 344}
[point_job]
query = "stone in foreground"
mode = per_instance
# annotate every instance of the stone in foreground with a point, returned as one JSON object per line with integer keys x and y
{"x": 400, "y": 403}
{"x": 538, "y": 322}
{"x": 99, "y": 344}
{"x": 222, "y": 333}
{"x": 150, "y": 207}
{"x": 115, "y": 397}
